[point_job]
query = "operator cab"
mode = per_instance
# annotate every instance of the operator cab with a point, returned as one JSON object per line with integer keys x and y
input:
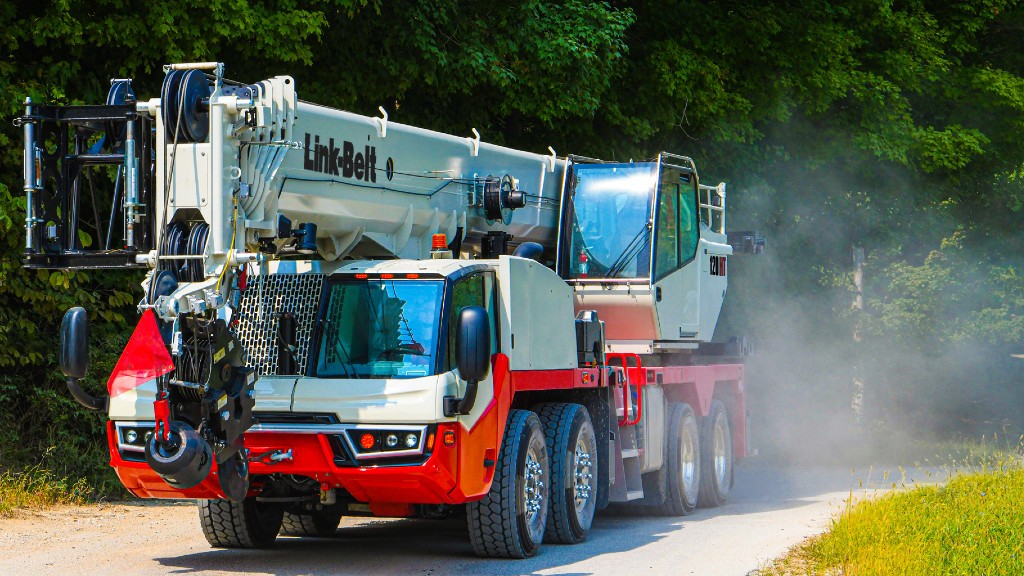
{"x": 644, "y": 244}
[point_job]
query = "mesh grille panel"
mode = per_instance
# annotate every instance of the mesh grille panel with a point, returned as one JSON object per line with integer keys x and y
{"x": 257, "y": 321}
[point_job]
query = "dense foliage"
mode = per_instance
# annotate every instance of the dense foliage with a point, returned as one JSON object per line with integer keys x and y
{"x": 894, "y": 126}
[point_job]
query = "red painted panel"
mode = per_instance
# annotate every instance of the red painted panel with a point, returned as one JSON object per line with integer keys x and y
{"x": 697, "y": 386}
{"x": 524, "y": 380}
{"x": 429, "y": 483}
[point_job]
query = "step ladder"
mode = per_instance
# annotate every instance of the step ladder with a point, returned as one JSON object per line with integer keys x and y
{"x": 627, "y": 481}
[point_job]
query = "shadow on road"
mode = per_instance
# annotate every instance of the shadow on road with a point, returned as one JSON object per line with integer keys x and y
{"x": 427, "y": 547}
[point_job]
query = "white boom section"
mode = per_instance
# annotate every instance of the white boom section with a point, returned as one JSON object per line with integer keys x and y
{"x": 374, "y": 188}
{"x": 357, "y": 177}
{"x": 361, "y": 178}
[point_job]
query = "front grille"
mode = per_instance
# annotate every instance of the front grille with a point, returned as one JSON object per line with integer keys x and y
{"x": 258, "y": 310}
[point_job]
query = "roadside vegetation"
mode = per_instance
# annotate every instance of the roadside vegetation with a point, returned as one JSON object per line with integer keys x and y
{"x": 35, "y": 488}
{"x": 970, "y": 525}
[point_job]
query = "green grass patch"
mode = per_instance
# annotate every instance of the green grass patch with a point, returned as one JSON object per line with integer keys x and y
{"x": 36, "y": 488}
{"x": 972, "y": 525}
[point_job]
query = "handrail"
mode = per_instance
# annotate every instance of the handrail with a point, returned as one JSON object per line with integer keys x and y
{"x": 712, "y": 199}
{"x": 623, "y": 361}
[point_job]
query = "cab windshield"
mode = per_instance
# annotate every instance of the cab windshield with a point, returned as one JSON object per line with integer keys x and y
{"x": 611, "y": 220}
{"x": 380, "y": 329}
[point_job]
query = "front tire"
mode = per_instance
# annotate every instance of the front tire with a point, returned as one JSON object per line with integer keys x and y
{"x": 572, "y": 452}
{"x": 245, "y": 524}
{"x": 716, "y": 457}
{"x": 509, "y": 522}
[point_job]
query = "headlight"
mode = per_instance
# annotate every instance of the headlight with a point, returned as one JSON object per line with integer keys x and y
{"x": 385, "y": 442}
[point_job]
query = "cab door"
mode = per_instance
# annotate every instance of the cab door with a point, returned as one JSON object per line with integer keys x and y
{"x": 675, "y": 273}
{"x": 482, "y": 428}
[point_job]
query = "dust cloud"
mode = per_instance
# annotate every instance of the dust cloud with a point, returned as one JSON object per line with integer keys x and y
{"x": 795, "y": 303}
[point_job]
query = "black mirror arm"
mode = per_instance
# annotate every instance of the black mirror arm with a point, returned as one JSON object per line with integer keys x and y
{"x": 85, "y": 399}
{"x": 461, "y": 406}
{"x": 467, "y": 401}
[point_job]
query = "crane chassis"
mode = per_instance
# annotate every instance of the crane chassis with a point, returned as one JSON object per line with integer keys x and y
{"x": 344, "y": 315}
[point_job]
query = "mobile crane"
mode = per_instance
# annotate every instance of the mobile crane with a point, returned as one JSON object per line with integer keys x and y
{"x": 332, "y": 324}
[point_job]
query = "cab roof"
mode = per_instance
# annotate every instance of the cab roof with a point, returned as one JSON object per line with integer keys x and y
{"x": 442, "y": 267}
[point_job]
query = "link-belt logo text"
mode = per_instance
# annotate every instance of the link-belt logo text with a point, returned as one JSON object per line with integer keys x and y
{"x": 344, "y": 161}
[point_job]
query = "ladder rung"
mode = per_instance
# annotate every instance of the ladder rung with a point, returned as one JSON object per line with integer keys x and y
{"x": 630, "y": 453}
{"x": 634, "y": 494}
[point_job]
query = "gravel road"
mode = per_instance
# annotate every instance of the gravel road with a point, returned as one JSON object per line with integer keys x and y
{"x": 770, "y": 509}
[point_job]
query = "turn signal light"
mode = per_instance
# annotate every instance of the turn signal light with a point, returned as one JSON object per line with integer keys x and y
{"x": 449, "y": 438}
{"x": 430, "y": 441}
{"x": 367, "y": 441}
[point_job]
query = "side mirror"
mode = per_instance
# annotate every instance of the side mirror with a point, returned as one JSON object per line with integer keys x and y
{"x": 472, "y": 356}
{"x": 74, "y": 343}
{"x": 473, "y": 343}
{"x": 74, "y": 356}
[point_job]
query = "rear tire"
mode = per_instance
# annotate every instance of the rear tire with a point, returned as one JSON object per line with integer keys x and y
{"x": 245, "y": 524}
{"x": 318, "y": 524}
{"x": 572, "y": 453}
{"x": 716, "y": 457}
{"x": 682, "y": 462}
{"x": 509, "y": 521}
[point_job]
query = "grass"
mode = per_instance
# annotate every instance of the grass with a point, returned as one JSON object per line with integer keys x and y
{"x": 36, "y": 488}
{"x": 974, "y": 524}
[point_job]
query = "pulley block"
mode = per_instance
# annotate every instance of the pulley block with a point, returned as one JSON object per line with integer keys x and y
{"x": 501, "y": 197}
{"x": 120, "y": 93}
{"x": 184, "y": 98}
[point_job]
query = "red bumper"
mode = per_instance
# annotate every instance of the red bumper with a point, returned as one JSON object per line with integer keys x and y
{"x": 433, "y": 482}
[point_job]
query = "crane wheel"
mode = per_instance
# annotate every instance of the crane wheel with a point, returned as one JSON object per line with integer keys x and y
{"x": 573, "y": 456}
{"x": 509, "y": 522}
{"x": 245, "y": 524}
{"x": 682, "y": 462}
{"x": 716, "y": 457}
{"x": 318, "y": 524}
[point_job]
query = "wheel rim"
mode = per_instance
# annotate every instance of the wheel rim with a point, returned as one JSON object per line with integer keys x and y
{"x": 582, "y": 488}
{"x": 535, "y": 492}
{"x": 720, "y": 451}
{"x": 688, "y": 462}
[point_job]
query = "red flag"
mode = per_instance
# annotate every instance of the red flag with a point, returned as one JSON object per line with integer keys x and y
{"x": 144, "y": 358}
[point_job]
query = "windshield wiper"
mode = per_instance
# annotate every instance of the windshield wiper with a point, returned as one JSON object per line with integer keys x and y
{"x": 630, "y": 252}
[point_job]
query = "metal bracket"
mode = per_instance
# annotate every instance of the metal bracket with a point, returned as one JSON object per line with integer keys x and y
{"x": 382, "y": 122}
{"x": 474, "y": 143}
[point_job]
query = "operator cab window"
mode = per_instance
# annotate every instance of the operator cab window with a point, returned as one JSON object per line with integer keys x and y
{"x": 610, "y": 215}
